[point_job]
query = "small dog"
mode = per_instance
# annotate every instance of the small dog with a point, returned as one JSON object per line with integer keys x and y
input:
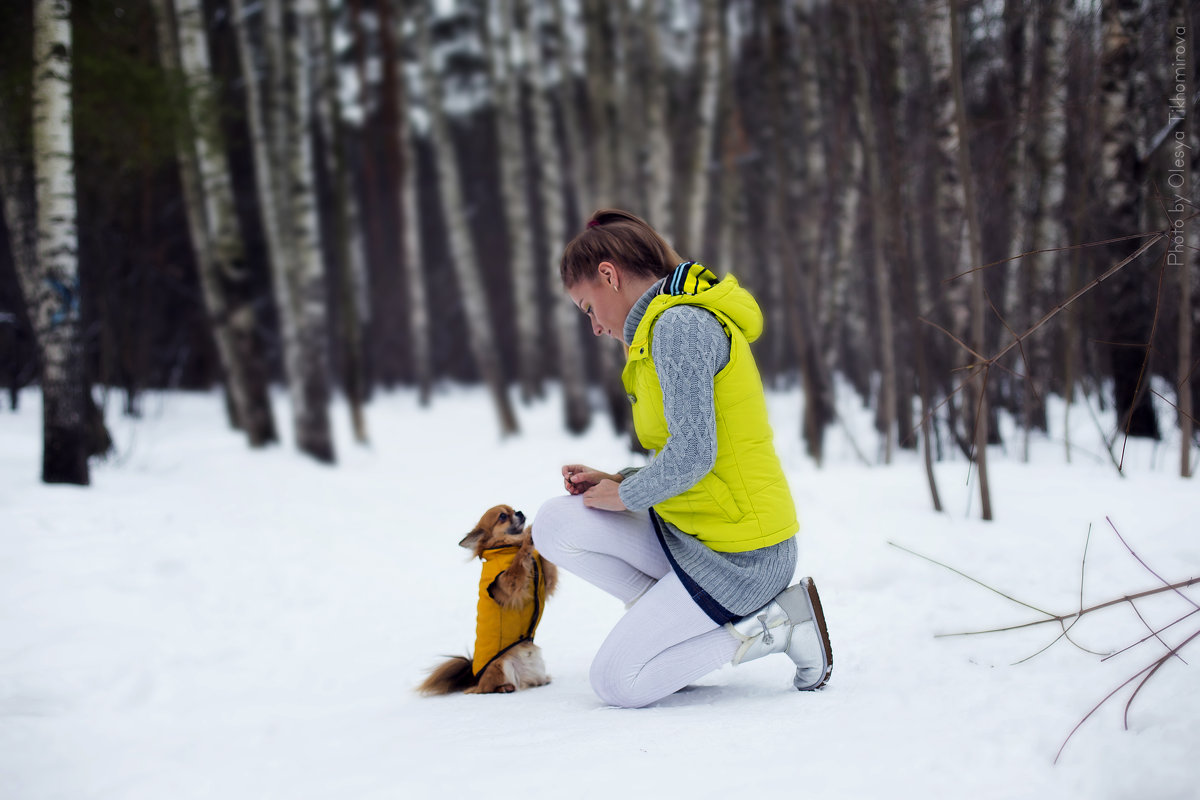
{"x": 512, "y": 593}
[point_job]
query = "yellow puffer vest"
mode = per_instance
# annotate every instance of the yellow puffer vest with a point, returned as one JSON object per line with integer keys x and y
{"x": 744, "y": 502}
{"x": 498, "y": 628}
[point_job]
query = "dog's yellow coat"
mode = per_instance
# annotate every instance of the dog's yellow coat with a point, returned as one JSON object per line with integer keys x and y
{"x": 498, "y": 627}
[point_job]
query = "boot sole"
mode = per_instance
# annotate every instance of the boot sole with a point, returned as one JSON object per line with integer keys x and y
{"x": 804, "y": 606}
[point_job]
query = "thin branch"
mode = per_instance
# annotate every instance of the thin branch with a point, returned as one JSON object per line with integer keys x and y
{"x": 1177, "y": 408}
{"x": 1063, "y": 617}
{"x": 976, "y": 580}
{"x": 1151, "y": 668}
{"x": 1174, "y": 651}
{"x": 1063, "y": 249}
{"x": 1096, "y": 708}
{"x": 1152, "y": 635}
{"x": 1133, "y": 553}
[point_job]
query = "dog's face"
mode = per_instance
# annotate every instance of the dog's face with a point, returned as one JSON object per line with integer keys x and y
{"x": 500, "y": 526}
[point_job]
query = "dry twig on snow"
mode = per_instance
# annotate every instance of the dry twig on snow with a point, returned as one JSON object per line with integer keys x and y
{"x": 1068, "y": 620}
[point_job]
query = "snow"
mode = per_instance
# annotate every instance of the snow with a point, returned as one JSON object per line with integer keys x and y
{"x": 207, "y": 621}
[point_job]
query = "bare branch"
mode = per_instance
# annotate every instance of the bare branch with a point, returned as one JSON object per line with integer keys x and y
{"x": 1144, "y": 564}
{"x": 981, "y": 583}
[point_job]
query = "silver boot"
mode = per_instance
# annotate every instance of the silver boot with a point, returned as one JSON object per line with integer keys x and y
{"x": 792, "y": 623}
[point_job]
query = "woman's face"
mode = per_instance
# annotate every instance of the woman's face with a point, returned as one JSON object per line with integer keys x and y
{"x": 603, "y": 301}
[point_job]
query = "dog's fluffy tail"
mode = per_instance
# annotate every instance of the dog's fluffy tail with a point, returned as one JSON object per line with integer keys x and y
{"x": 454, "y": 675}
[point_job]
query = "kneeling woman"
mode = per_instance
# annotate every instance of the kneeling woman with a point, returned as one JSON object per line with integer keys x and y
{"x": 699, "y": 544}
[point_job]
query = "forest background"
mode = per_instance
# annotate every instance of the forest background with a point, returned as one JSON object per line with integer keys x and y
{"x": 947, "y": 208}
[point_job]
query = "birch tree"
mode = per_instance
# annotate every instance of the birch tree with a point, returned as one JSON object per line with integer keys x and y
{"x": 43, "y": 242}
{"x": 414, "y": 278}
{"x": 1048, "y": 191}
{"x": 657, "y": 143}
{"x": 54, "y": 303}
{"x": 514, "y": 182}
{"x": 408, "y": 228}
{"x": 880, "y": 244}
{"x": 1129, "y": 308}
{"x": 979, "y": 378}
{"x": 952, "y": 254}
{"x": 280, "y": 121}
{"x": 347, "y": 230}
{"x": 213, "y": 226}
{"x": 464, "y": 257}
{"x": 605, "y": 171}
{"x": 551, "y": 193}
{"x": 309, "y": 367}
{"x": 708, "y": 61}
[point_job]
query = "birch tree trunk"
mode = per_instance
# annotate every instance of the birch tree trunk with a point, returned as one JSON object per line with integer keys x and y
{"x": 464, "y": 257}
{"x": 1129, "y": 304}
{"x": 708, "y": 61}
{"x": 551, "y": 193}
{"x": 954, "y": 255}
{"x": 732, "y": 205}
{"x": 601, "y": 75}
{"x": 886, "y": 412}
{"x": 629, "y": 102}
{"x": 310, "y": 385}
{"x": 352, "y": 272}
{"x": 791, "y": 262}
{"x": 979, "y": 385}
{"x": 514, "y": 181}
{"x": 658, "y": 149}
{"x": 608, "y": 163}
{"x": 1048, "y": 221}
{"x": 1020, "y": 22}
{"x": 54, "y": 307}
{"x": 836, "y": 311}
{"x": 408, "y": 228}
{"x": 223, "y": 273}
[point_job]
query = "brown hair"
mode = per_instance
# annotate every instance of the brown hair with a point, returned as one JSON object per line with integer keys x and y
{"x": 623, "y": 238}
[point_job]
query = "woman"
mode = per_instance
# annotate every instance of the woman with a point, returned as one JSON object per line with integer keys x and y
{"x": 700, "y": 543}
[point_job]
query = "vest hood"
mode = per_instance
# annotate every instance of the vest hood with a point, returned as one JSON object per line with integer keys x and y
{"x": 695, "y": 284}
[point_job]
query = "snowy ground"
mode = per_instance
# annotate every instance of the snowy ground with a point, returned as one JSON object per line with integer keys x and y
{"x": 211, "y": 622}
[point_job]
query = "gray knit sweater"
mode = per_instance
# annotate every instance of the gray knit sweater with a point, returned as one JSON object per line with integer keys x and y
{"x": 689, "y": 348}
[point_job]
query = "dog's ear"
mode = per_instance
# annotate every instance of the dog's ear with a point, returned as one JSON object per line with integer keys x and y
{"x": 471, "y": 539}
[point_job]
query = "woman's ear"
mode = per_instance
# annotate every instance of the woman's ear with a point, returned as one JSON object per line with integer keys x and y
{"x": 609, "y": 274}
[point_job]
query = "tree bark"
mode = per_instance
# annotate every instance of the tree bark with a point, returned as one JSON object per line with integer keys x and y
{"x": 310, "y": 357}
{"x": 514, "y": 183}
{"x": 1049, "y": 221}
{"x": 658, "y": 148}
{"x": 708, "y": 62}
{"x": 880, "y": 244}
{"x": 222, "y": 271}
{"x": 351, "y": 289}
{"x": 464, "y": 257}
{"x": 408, "y": 228}
{"x": 979, "y": 384}
{"x": 54, "y": 305}
{"x": 1130, "y": 306}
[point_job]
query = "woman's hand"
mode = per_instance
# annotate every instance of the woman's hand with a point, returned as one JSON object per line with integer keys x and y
{"x": 599, "y": 489}
{"x": 605, "y": 496}
{"x": 578, "y": 479}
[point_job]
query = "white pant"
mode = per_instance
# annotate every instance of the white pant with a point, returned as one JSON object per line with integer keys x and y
{"x": 665, "y": 640}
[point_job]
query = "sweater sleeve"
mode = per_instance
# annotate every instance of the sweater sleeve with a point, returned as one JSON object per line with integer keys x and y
{"x": 689, "y": 349}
